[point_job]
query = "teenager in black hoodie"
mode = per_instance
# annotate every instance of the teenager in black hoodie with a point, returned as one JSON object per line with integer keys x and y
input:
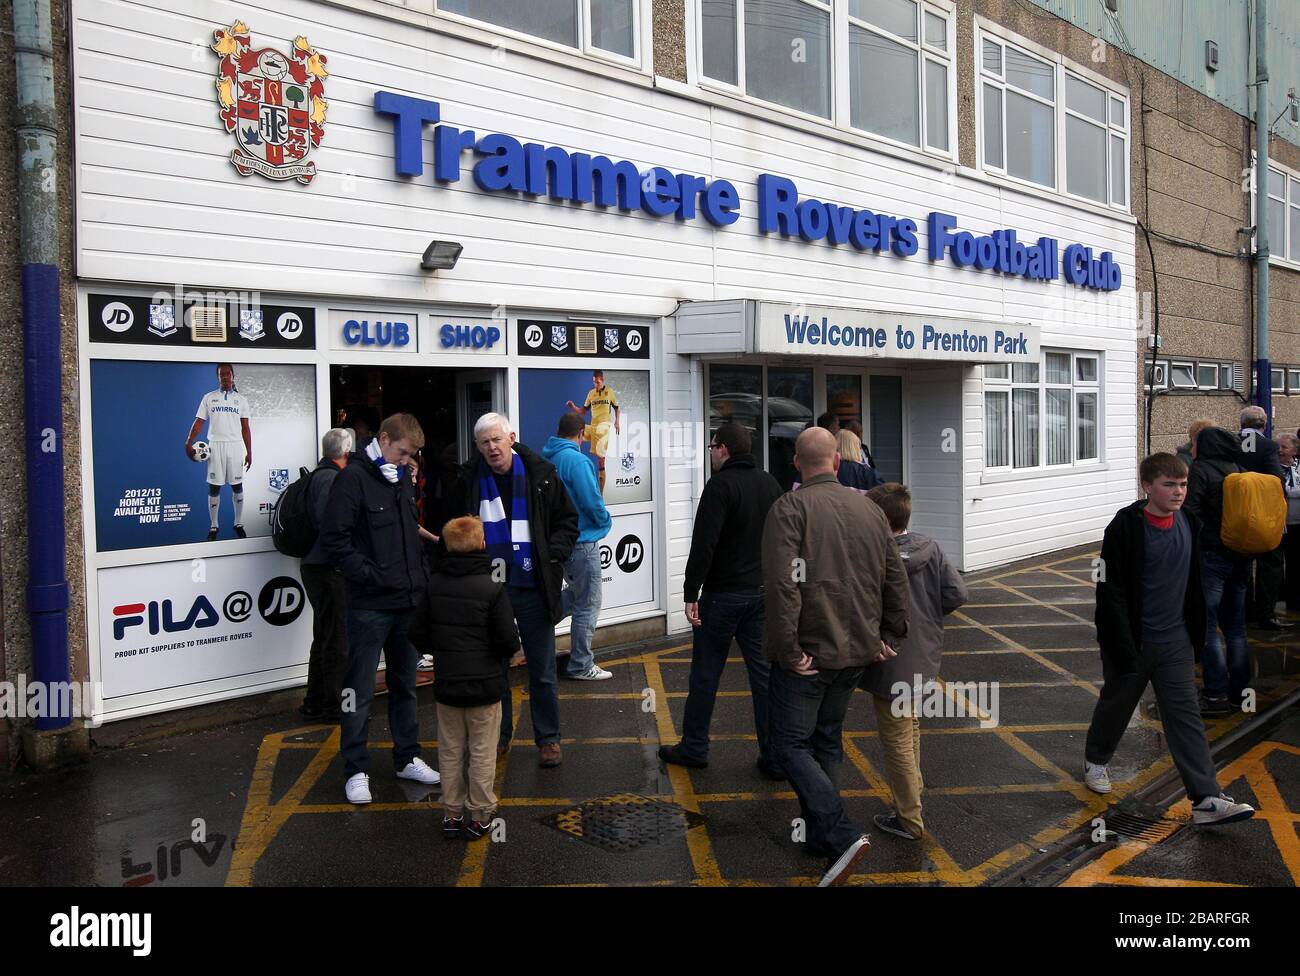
{"x": 1150, "y": 617}
{"x": 465, "y": 621}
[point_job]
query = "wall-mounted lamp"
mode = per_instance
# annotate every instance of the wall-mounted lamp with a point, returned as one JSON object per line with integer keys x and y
{"x": 441, "y": 255}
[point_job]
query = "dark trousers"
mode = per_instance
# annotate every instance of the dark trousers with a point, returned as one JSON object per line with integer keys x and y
{"x": 724, "y": 616}
{"x": 369, "y": 633}
{"x": 1291, "y": 552}
{"x": 1269, "y": 570}
{"x": 329, "y": 639}
{"x": 1225, "y": 665}
{"x": 807, "y": 718}
{"x": 1170, "y": 668}
{"x": 537, "y": 634}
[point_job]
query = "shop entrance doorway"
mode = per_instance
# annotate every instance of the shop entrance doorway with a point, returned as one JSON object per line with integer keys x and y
{"x": 445, "y": 401}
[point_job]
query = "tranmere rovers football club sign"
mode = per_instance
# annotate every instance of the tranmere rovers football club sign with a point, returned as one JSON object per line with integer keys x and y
{"x": 272, "y": 102}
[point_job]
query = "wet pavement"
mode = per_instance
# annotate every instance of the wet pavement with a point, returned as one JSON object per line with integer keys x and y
{"x": 261, "y": 802}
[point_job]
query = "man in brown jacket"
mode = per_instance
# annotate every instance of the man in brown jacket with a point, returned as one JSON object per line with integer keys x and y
{"x": 835, "y": 598}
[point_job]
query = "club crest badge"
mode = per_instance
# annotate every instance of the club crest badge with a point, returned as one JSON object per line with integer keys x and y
{"x": 628, "y": 461}
{"x": 273, "y": 103}
{"x": 277, "y": 479}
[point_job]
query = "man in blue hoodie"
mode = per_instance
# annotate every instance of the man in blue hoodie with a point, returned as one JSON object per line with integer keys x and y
{"x": 582, "y": 570}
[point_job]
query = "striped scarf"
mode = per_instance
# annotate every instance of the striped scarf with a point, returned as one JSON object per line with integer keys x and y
{"x": 507, "y": 539}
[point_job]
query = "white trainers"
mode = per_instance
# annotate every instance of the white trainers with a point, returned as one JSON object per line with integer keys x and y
{"x": 1096, "y": 778}
{"x": 426, "y": 663}
{"x": 839, "y": 872}
{"x": 1220, "y": 810}
{"x": 420, "y": 771}
{"x": 593, "y": 673}
{"x": 358, "y": 788}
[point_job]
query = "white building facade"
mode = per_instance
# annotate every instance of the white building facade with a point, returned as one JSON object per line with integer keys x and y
{"x": 258, "y": 184}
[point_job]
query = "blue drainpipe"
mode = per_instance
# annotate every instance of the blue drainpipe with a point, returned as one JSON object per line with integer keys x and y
{"x": 37, "y": 143}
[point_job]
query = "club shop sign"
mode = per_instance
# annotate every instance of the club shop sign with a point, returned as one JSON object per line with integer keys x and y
{"x": 502, "y": 164}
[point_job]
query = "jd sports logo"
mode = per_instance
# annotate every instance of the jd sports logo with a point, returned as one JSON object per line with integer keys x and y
{"x": 289, "y": 325}
{"x": 281, "y": 601}
{"x": 118, "y": 317}
{"x": 628, "y": 553}
{"x": 533, "y": 336}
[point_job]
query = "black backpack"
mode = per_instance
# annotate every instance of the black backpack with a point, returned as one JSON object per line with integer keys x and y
{"x": 293, "y": 528}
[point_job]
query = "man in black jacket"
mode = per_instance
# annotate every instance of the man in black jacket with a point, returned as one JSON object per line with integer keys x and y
{"x": 531, "y": 527}
{"x": 324, "y": 585}
{"x": 725, "y": 560}
{"x": 1150, "y": 618}
{"x": 371, "y": 534}
{"x": 1224, "y": 573}
{"x": 1258, "y": 453}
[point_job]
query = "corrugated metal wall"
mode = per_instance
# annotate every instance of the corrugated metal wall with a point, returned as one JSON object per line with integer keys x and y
{"x": 1171, "y": 36}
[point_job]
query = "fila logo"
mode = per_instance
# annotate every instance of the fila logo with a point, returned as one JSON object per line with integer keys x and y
{"x": 161, "y": 617}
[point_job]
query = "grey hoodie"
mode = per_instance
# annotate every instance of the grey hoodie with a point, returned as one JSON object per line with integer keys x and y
{"x": 936, "y": 589}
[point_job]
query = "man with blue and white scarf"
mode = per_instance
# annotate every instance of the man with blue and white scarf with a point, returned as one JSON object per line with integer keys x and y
{"x": 530, "y": 526}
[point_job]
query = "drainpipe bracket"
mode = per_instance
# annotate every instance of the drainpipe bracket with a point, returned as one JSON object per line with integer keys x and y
{"x": 50, "y": 598}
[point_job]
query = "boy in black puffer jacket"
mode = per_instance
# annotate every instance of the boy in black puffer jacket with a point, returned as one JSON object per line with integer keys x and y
{"x": 465, "y": 621}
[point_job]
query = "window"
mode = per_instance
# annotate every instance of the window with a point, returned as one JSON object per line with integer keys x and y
{"x": 1207, "y": 376}
{"x": 604, "y": 27}
{"x": 1292, "y": 380}
{"x": 896, "y": 56}
{"x": 1042, "y": 414}
{"x": 1283, "y": 215}
{"x": 1032, "y": 110}
{"x": 1227, "y": 375}
{"x": 1182, "y": 376}
{"x": 1275, "y": 375}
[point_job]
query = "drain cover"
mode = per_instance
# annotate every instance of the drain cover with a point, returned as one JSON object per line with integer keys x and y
{"x": 624, "y": 821}
{"x": 1140, "y": 821}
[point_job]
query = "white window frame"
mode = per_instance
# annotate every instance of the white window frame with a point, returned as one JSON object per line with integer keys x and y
{"x": 1277, "y": 379}
{"x": 1063, "y": 67}
{"x": 1182, "y": 364}
{"x": 1207, "y": 386}
{"x": 840, "y": 96}
{"x": 642, "y": 47}
{"x": 999, "y": 386}
{"x": 1284, "y": 256}
{"x": 1292, "y": 379}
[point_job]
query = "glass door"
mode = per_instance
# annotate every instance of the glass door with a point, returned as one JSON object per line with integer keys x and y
{"x": 478, "y": 391}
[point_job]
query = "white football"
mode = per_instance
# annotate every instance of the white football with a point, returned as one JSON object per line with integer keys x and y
{"x": 201, "y": 451}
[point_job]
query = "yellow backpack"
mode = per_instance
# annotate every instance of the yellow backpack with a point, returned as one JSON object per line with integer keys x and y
{"x": 1254, "y": 512}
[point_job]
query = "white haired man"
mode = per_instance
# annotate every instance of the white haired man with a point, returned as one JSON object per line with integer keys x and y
{"x": 324, "y": 585}
{"x": 530, "y": 526}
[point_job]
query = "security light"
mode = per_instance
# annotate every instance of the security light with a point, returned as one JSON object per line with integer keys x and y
{"x": 441, "y": 255}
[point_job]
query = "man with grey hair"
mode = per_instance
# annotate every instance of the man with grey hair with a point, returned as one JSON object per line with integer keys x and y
{"x": 530, "y": 527}
{"x": 1258, "y": 453}
{"x": 324, "y": 586}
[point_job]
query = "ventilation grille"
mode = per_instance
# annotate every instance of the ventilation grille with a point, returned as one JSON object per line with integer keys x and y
{"x": 208, "y": 323}
{"x": 585, "y": 339}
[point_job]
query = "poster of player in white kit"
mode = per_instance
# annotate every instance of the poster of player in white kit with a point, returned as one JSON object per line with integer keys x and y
{"x": 194, "y": 452}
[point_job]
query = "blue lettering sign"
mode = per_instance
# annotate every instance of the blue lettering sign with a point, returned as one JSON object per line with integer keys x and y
{"x": 366, "y": 333}
{"x": 504, "y": 165}
{"x": 468, "y": 337}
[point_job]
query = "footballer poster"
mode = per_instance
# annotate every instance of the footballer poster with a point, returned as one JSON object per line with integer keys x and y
{"x": 616, "y": 405}
{"x": 150, "y": 491}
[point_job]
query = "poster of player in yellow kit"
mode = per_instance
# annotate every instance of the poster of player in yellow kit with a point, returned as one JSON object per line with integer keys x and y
{"x": 615, "y": 407}
{"x": 602, "y": 405}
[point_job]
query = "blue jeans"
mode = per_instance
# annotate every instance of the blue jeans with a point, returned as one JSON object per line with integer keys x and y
{"x": 369, "y": 632}
{"x": 582, "y": 599}
{"x": 1223, "y": 578}
{"x": 537, "y": 634}
{"x": 807, "y": 719}
{"x": 723, "y": 616}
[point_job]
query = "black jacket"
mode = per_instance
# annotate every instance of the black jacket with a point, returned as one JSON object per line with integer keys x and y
{"x": 318, "y": 493}
{"x": 1261, "y": 455}
{"x": 727, "y": 540}
{"x": 465, "y": 621}
{"x": 1119, "y": 588}
{"x": 552, "y": 519}
{"x": 370, "y": 533}
{"x": 1218, "y": 454}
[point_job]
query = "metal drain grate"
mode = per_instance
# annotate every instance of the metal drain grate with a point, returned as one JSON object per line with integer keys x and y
{"x": 1141, "y": 821}
{"x": 624, "y": 821}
